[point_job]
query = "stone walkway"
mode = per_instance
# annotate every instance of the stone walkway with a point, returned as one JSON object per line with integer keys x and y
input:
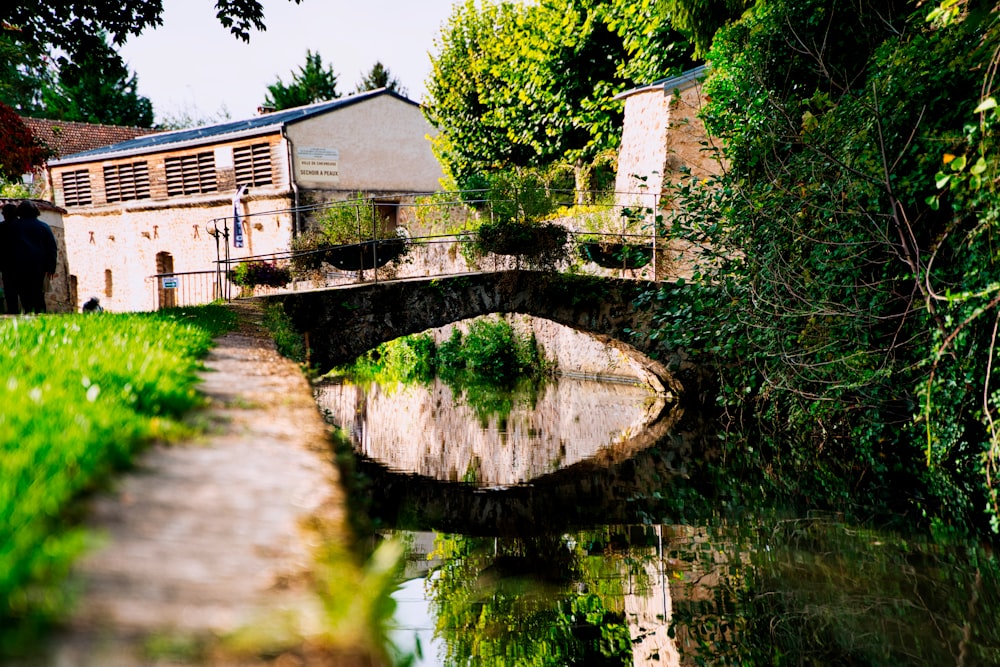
{"x": 206, "y": 537}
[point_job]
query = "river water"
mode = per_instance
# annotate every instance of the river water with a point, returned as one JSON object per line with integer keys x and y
{"x": 591, "y": 523}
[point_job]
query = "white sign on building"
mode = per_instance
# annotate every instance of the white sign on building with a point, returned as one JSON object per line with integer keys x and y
{"x": 317, "y": 165}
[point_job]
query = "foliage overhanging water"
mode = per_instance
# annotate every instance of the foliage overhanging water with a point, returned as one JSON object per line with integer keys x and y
{"x": 541, "y": 538}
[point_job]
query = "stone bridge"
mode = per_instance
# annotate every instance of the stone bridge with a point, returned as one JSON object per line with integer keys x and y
{"x": 342, "y": 323}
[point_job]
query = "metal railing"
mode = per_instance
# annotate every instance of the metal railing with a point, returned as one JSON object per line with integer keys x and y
{"x": 188, "y": 288}
{"x": 612, "y": 240}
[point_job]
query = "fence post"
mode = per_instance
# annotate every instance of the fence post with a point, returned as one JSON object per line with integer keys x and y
{"x": 361, "y": 252}
{"x": 374, "y": 240}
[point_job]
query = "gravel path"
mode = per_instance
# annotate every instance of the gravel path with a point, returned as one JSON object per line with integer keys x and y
{"x": 207, "y": 536}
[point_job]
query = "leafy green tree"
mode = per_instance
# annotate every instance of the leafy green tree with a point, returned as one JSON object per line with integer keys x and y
{"x": 380, "y": 77}
{"x": 532, "y": 85}
{"x": 470, "y": 139}
{"x": 699, "y": 20}
{"x": 77, "y": 28}
{"x": 314, "y": 82}
{"x": 37, "y": 36}
{"x": 500, "y": 602}
{"x": 20, "y": 69}
{"x": 97, "y": 89}
{"x": 854, "y": 310}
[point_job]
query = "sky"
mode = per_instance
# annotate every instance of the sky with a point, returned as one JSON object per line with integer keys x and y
{"x": 192, "y": 66}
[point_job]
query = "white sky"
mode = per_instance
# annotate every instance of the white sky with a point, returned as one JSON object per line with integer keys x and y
{"x": 192, "y": 65}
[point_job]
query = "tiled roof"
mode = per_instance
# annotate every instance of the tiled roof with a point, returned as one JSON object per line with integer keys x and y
{"x": 265, "y": 123}
{"x": 67, "y": 137}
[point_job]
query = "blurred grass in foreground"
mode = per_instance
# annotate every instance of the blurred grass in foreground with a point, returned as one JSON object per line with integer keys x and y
{"x": 79, "y": 395}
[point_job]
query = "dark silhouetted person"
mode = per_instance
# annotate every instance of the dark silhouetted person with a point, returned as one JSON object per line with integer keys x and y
{"x": 9, "y": 218}
{"x": 32, "y": 257}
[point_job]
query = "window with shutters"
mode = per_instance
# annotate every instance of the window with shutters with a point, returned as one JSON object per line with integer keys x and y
{"x": 253, "y": 165}
{"x": 191, "y": 174}
{"x": 123, "y": 182}
{"x": 76, "y": 187}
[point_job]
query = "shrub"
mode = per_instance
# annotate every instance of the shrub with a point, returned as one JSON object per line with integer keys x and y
{"x": 541, "y": 244}
{"x": 252, "y": 274}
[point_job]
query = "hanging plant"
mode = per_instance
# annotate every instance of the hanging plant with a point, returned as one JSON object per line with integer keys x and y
{"x": 311, "y": 250}
{"x": 542, "y": 243}
{"x": 367, "y": 255}
{"x": 252, "y": 274}
{"x": 616, "y": 255}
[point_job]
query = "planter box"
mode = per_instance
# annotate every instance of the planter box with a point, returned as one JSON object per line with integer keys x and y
{"x": 522, "y": 240}
{"x": 616, "y": 255}
{"x": 363, "y": 256}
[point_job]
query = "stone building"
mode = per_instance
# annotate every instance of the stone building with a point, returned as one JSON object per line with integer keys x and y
{"x": 662, "y": 136}
{"x": 154, "y": 204}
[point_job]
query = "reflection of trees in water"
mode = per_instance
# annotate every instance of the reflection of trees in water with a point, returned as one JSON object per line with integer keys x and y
{"x": 820, "y": 592}
{"x": 526, "y": 602}
{"x": 539, "y": 577}
{"x": 761, "y": 591}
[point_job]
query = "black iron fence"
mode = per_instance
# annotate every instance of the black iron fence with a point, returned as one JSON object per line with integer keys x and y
{"x": 188, "y": 288}
{"x": 605, "y": 239}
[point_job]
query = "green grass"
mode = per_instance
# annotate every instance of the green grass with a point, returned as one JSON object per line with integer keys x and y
{"x": 79, "y": 396}
{"x": 288, "y": 341}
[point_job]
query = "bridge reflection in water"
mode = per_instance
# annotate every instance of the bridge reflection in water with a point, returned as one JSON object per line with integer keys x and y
{"x": 502, "y": 489}
{"x": 643, "y": 548}
{"x": 428, "y": 430}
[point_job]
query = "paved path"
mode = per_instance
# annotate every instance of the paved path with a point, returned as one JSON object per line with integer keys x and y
{"x": 205, "y": 537}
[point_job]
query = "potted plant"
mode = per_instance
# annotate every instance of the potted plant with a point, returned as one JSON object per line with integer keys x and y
{"x": 610, "y": 254}
{"x": 614, "y": 242}
{"x": 349, "y": 236}
{"x": 517, "y": 203}
{"x": 254, "y": 273}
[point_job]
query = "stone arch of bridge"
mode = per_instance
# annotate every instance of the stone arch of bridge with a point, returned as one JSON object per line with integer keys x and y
{"x": 341, "y": 323}
{"x": 636, "y": 464}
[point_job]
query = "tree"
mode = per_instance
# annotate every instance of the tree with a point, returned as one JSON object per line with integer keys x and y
{"x": 854, "y": 311}
{"x": 312, "y": 83}
{"x": 529, "y": 85}
{"x": 699, "y": 20}
{"x": 78, "y": 27}
{"x": 97, "y": 89}
{"x": 20, "y": 71}
{"x": 20, "y": 151}
{"x": 380, "y": 77}
{"x": 75, "y": 31}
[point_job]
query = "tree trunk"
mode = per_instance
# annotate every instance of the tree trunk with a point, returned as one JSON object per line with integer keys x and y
{"x": 581, "y": 181}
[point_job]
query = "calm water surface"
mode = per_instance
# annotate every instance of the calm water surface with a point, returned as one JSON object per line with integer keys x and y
{"x": 589, "y": 523}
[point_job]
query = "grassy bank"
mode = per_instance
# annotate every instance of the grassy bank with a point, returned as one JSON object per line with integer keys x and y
{"x": 79, "y": 396}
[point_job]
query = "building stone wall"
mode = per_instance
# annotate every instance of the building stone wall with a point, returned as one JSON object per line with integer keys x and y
{"x": 113, "y": 253}
{"x": 643, "y": 153}
{"x": 382, "y": 143}
{"x": 663, "y": 136}
{"x": 688, "y": 142}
